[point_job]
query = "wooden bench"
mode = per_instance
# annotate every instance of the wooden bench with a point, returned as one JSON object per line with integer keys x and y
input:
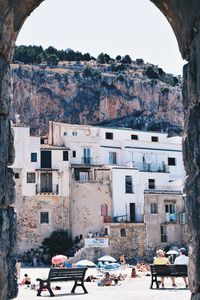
{"x": 166, "y": 271}
{"x": 66, "y": 274}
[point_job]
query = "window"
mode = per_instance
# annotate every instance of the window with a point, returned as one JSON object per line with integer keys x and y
{"x": 123, "y": 232}
{"x": 154, "y": 138}
{"x": 109, "y": 136}
{"x": 73, "y": 153}
{"x": 152, "y": 184}
{"x": 30, "y": 177}
{"x": 65, "y": 156}
{"x": 33, "y": 157}
{"x": 171, "y": 161}
{"x": 17, "y": 175}
{"x": 182, "y": 218}
{"x": 104, "y": 210}
{"x": 128, "y": 185}
{"x": 46, "y": 159}
{"x": 74, "y": 133}
{"x": 134, "y": 137}
{"x": 44, "y": 217}
{"x": 170, "y": 210}
{"x": 112, "y": 158}
{"x": 163, "y": 233}
{"x": 154, "y": 208}
{"x": 87, "y": 156}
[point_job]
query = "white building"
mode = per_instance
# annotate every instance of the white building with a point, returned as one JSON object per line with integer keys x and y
{"x": 42, "y": 188}
{"x": 138, "y": 161}
{"x": 87, "y": 178}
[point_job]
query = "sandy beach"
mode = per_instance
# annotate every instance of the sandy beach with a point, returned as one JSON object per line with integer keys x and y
{"x": 128, "y": 289}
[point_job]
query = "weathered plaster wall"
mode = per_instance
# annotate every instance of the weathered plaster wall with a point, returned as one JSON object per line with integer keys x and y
{"x": 85, "y": 207}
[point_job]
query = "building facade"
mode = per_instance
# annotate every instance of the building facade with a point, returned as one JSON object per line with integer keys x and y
{"x": 122, "y": 183}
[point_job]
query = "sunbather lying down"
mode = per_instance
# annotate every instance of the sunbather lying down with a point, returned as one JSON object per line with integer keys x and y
{"x": 108, "y": 279}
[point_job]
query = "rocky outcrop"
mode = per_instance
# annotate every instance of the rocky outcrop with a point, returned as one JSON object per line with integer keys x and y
{"x": 89, "y": 93}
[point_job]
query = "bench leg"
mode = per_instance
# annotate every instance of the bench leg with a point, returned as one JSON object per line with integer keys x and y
{"x": 74, "y": 287}
{"x": 49, "y": 289}
{"x": 45, "y": 286}
{"x": 154, "y": 279}
{"x": 79, "y": 284}
{"x": 85, "y": 291}
{"x": 41, "y": 286}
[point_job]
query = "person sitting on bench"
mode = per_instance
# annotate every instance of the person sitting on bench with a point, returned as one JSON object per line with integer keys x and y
{"x": 162, "y": 260}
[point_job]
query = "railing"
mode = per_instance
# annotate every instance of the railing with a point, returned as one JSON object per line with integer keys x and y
{"x": 123, "y": 219}
{"x": 87, "y": 160}
{"x": 151, "y": 167}
{"x": 163, "y": 188}
{"x": 53, "y": 189}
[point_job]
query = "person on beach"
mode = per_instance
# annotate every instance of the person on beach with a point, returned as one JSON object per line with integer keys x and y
{"x": 162, "y": 260}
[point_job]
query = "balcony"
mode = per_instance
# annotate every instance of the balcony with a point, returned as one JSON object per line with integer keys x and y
{"x": 144, "y": 167}
{"x": 51, "y": 189}
{"x": 86, "y": 160}
{"x": 163, "y": 188}
{"x": 122, "y": 219}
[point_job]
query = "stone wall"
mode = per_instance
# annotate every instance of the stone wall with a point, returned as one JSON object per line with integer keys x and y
{"x": 132, "y": 245}
{"x": 175, "y": 232}
{"x": 31, "y": 232}
{"x": 191, "y": 146}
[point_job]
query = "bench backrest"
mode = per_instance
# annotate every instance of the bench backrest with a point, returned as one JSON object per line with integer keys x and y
{"x": 169, "y": 270}
{"x": 65, "y": 274}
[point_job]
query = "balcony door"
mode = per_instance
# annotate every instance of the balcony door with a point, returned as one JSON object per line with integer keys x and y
{"x": 86, "y": 156}
{"x": 132, "y": 212}
{"x": 46, "y": 182}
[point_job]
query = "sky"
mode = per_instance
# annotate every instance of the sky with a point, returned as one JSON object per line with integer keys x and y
{"x": 115, "y": 27}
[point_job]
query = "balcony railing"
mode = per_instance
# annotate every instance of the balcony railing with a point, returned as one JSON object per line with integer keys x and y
{"x": 52, "y": 189}
{"x": 144, "y": 167}
{"x": 87, "y": 160}
{"x": 152, "y": 187}
{"x": 122, "y": 219}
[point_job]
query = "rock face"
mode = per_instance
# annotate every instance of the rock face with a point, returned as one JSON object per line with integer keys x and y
{"x": 184, "y": 18}
{"x": 88, "y": 93}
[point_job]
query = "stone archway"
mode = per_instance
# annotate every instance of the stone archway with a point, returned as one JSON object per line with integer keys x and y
{"x": 183, "y": 15}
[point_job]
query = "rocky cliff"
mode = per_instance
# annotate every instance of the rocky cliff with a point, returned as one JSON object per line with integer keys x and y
{"x": 90, "y": 93}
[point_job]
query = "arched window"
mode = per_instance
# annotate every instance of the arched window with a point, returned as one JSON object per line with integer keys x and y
{"x": 104, "y": 210}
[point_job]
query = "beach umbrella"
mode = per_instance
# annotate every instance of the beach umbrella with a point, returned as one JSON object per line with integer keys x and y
{"x": 172, "y": 252}
{"x": 58, "y": 259}
{"x": 107, "y": 258}
{"x": 85, "y": 263}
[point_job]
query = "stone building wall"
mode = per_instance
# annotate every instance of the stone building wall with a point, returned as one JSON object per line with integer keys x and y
{"x": 31, "y": 232}
{"x": 132, "y": 245}
{"x": 175, "y": 231}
